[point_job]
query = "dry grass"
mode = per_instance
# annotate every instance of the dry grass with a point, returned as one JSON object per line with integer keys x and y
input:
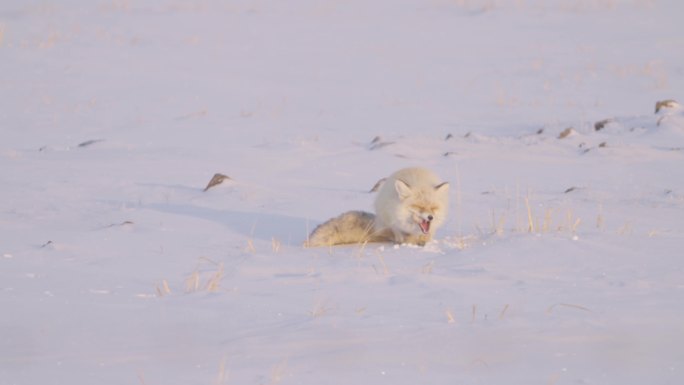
{"x": 599, "y": 218}
{"x": 567, "y": 305}
{"x": 192, "y": 283}
{"x": 164, "y": 289}
{"x": 530, "y": 222}
{"x": 250, "y": 247}
{"x": 536, "y": 219}
{"x": 320, "y": 309}
{"x": 625, "y": 229}
{"x": 498, "y": 224}
{"x": 275, "y": 245}
{"x": 214, "y": 282}
{"x": 450, "y": 316}
{"x": 503, "y": 312}
{"x": 278, "y": 372}
{"x": 222, "y": 375}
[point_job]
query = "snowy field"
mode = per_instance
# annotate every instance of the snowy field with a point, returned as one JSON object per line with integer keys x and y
{"x": 562, "y": 261}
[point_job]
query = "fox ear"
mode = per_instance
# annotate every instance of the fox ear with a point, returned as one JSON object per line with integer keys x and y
{"x": 442, "y": 187}
{"x": 403, "y": 189}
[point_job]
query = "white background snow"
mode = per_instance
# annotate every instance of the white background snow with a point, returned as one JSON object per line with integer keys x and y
{"x": 561, "y": 261}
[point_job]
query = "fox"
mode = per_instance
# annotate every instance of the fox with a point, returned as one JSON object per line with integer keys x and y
{"x": 411, "y": 204}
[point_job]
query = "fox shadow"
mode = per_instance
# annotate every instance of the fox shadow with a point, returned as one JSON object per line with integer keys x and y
{"x": 264, "y": 226}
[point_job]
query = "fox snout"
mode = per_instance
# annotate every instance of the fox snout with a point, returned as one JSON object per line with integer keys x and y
{"x": 424, "y": 223}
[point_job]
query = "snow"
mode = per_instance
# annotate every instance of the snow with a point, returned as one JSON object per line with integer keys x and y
{"x": 560, "y": 263}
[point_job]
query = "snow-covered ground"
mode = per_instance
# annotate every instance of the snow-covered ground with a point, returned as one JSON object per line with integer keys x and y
{"x": 561, "y": 262}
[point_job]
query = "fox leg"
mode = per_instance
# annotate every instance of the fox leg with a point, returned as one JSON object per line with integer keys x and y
{"x": 418, "y": 239}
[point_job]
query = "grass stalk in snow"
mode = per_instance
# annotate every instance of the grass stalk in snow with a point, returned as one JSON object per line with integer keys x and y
{"x": 599, "y": 218}
{"x": 164, "y": 289}
{"x": 250, "y": 246}
{"x": 573, "y": 222}
{"x": 278, "y": 372}
{"x": 450, "y": 316}
{"x": 214, "y": 283}
{"x": 625, "y": 229}
{"x": 568, "y": 305}
{"x": 192, "y": 282}
{"x": 548, "y": 219}
{"x": 530, "y": 222}
{"x": 275, "y": 245}
{"x": 503, "y": 312}
{"x": 222, "y": 374}
{"x": 319, "y": 309}
{"x": 498, "y": 225}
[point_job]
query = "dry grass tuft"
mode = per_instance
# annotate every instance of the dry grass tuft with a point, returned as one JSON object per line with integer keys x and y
{"x": 530, "y": 222}
{"x": 278, "y": 372}
{"x": 503, "y": 312}
{"x": 544, "y": 220}
{"x": 164, "y": 289}
{"x": 216, "y": 180}
{"x": 275, "y": 245}
{"x": 625, "y": 229}
{"x": 192, "y": 283}
{"x": 450, "y": 316}
{"x": 319, "y": 309}
{"x": 222, "y": 374}
{"x": 250, "y": 247}
{"x": 214, "y": 283}
{"x": 568, "y": 305}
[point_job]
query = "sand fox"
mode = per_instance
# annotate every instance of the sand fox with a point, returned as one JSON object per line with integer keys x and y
{"x": 410, "y": 205}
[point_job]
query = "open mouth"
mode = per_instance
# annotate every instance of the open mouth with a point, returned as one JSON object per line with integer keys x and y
{"x": 424, "y": 226}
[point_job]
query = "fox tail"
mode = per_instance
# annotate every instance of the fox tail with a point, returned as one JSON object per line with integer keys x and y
{"x": 350, "y": 227}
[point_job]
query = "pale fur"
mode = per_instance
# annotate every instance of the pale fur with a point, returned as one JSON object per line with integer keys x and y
{"x": 406, "y": 199}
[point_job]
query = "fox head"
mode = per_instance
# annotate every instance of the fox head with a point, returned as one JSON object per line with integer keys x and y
{"x": 424, "y": 208}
